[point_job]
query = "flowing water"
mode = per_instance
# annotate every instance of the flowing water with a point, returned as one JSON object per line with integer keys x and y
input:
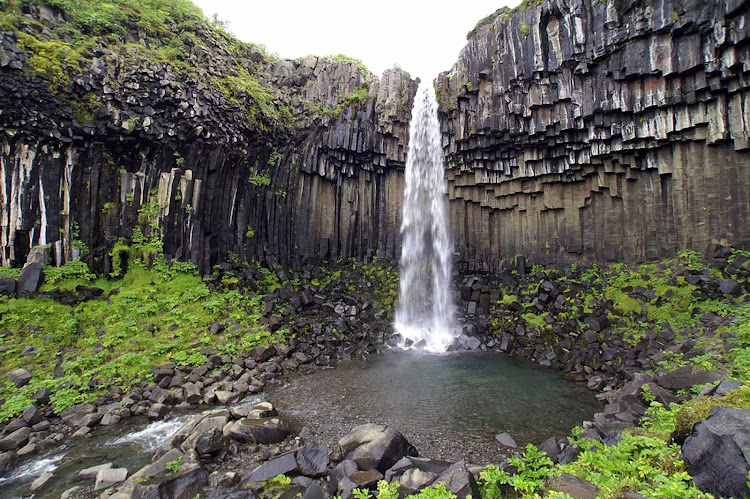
{"x": 449, "y": 406}
{"x": 424, "y": 316}
{"x": 127, "y": 445}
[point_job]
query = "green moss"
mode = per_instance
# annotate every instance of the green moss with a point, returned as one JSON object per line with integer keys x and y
{"x": 351, "y": 60}
{"x": 524, "y": 28}
{"x": 53, "y": 59}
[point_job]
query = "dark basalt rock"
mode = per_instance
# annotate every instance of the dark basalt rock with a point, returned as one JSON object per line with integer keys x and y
{"x": 716, "y": 453}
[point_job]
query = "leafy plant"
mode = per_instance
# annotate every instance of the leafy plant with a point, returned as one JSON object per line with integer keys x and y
{"x": 174, "y": 466}
{"x": 534, "y": 467}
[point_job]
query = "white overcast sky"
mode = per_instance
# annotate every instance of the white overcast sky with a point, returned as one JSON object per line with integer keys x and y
{"x": 423, "y": 38}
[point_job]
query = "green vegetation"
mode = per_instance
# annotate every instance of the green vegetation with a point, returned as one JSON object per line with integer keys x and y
{"x": 346, "y": 58}
{"x": 390, "y": 491}
{"x": 353, "y": 98}
{"x": 174, "y": 466}
{"x": 261, "y": 179}
{"x": 524, "y": 28}
{"x": 534, "y": 468}
{"x": 150, "y": 33}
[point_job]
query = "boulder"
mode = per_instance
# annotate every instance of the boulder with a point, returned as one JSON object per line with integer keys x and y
{"x": 30, "y": 279}
{"x": 72, "y": 416}
{"x": 281, "y": 465}
{"x": 459, "y": 480}
{"x": 32, "y": 415}
{"x": 685, "y": 377}
{"x": 191, "y": 393}
{"x": 259, "y": 431}
{"x": 207, "y": 436}
{"x": 262, "y": 354}
{"x": 717, "y": 453}
{"x": 572, "y": 485}
{"x": 414, "y": 479}
{"x": 366, "y": 479}
{"x": 15, "y": 440}
{"x": 7, "y": 286}
{"x": 93, "y": 470}
{"x": 374, "y": 446}
{"x": 105, "y": 478}
{"x": 19, "y": 377}
{"x": 313, "y": 460}
{"x": 156, "y": 480}
{"x": 39, "y": 482}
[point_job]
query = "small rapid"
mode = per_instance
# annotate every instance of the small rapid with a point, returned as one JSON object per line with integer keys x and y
{"x": 424, "y": 317}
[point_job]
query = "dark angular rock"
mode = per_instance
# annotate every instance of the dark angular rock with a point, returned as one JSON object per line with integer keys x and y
{"x": 314, "y": 491}
{"x": 366, "y": 479}
{"x": 7, "y": 286}
{"x": 262, "y": 354}
{"x": 374, "y": 446}
{"x": 313, "y": 460}
{"x": 157, "y": 411}
{"x": 19, "y": 377}
{"x": 191, "y": 393}
{"x": 550, "y": 447}
{"x": 725, "y": 387}
{"x": 32, "y": 415}
{"x": 506, "y": 439}
{"x": 718, "y": 451}
{"x": 260, "y": 431}
{"x": 42, "y": 396}
{"x": 459, "y": 481}
{"x": 72, "y": 416}
{"x": 685, "y": 377}
{"x": 573, "y": 486}
{"x": 30, "y": 279}
{"x": 15, "y": 440}
{"x": 281, "y": 465}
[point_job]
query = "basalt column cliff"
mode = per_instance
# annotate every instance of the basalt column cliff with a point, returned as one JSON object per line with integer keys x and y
{"x": 599, "y": 130}
{"x": 183, "y": 131}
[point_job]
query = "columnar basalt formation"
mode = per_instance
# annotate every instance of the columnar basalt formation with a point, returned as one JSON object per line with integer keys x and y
{"x": 599, "y": 130}
{"x": 307, "y": 165}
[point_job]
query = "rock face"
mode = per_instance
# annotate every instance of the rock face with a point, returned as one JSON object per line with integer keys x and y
{"x": 573, "y": 130}
{"x": 599, "y": 130}
{"x": 716, "y": 454}
{"x": 320, "y": 177}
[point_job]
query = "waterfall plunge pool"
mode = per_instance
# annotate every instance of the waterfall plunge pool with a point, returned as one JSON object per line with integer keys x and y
{"x": 448, "y": 406}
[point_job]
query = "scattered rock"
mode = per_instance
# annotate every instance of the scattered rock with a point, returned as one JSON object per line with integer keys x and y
{"x": 373, "y": 446}
{"x": 107, "y": 477}
{"x": 573, "y": 486}
{"x": 506, "y": 440}
{"x": 685, "y": 377}
{"x": 30, "y": 279}
{"x": 92, "y": 471}
{"x": 39, "y": 482}
{"x": 313, "y": 460}
{"x": 19, "y": 377}
{"x": 281, "y": 465}
{"x": 16, "y": 439}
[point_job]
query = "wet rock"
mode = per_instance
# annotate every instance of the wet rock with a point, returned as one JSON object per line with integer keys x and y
{"x": 15, "y": 440}
{"x": 92, "y": 471}
{"x": 313, "y": 460}
{"x": 73, "y": 493}
{"x": 73, "y": 416}
{"x": 19, "y": 377}
{"x": 191, "y": 393}
{"x": 225, "y": 397}
{"x": 717, "y": 453}
{"x": 91, "y": 419}
{"x": 40, "y": 482}
{"x": 260, "y": 431}
{"x": 156, "y": 480}
{"x": 108, "y": 477}
{"x": 373, "y": 446}
{"x": 506, "y": 440}
{"x": 206, "y": 437}
{"x": 573, "y": 486}
{"x": 157, "y": 411}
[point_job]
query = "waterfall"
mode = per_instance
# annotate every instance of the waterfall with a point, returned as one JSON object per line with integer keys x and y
{"x": 424, "y": 315}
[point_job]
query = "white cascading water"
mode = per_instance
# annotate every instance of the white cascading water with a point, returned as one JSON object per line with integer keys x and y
{"x": 424, "y": 317}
